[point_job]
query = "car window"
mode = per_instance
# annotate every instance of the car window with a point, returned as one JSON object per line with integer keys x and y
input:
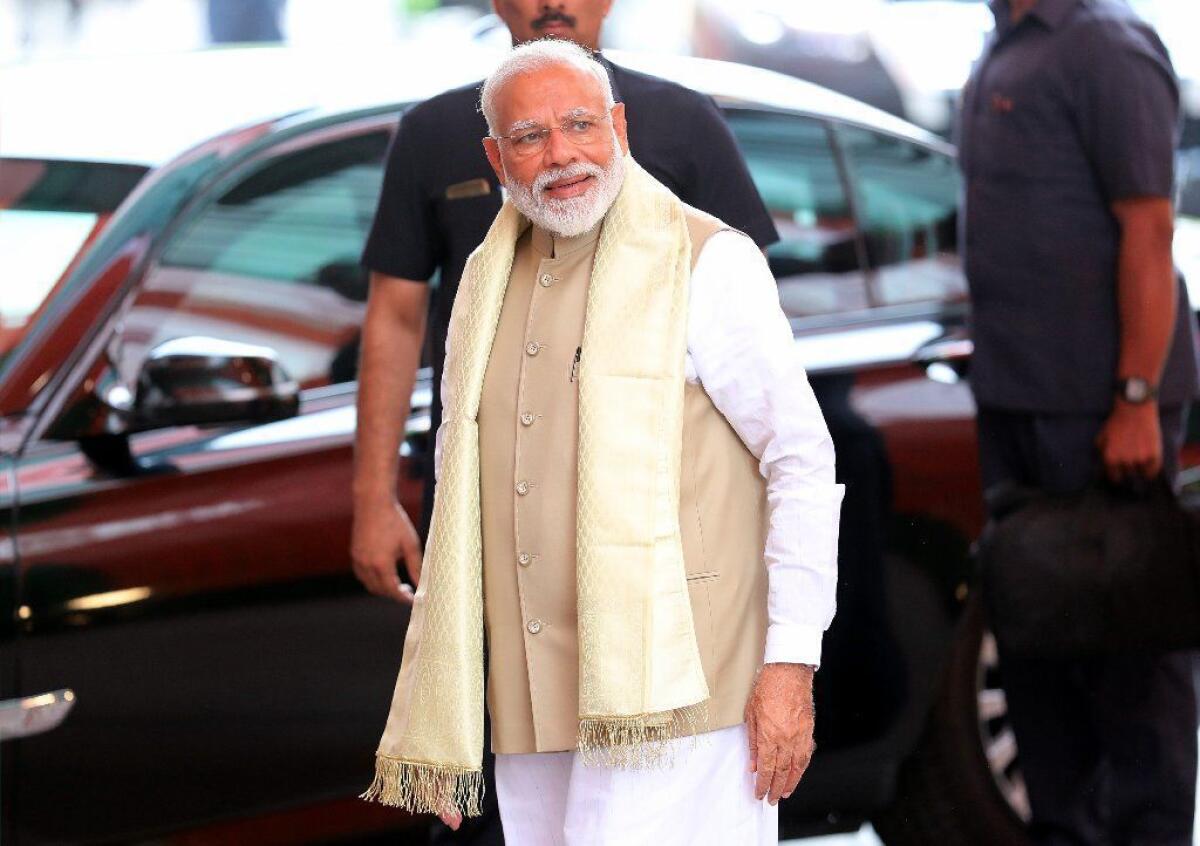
{"x": 816, "y": 261}
{"x": 272, "y": 261}
{"x": 907, "y": 198}
{"x": 49, "y": 212}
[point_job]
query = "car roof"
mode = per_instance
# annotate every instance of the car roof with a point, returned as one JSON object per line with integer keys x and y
{"x": 148, "y": 108}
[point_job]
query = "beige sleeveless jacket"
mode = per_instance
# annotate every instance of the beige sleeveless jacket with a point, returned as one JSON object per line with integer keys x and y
{"x": 528, "y": 436}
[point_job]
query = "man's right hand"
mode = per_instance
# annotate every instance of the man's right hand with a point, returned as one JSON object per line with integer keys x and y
{"x": 382, "y": 535}
{"x": 451, "y": 819}
{"x": 393, "y": 331}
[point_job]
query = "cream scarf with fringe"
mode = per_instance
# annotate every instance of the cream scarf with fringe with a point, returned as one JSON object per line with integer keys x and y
{"x": 640, "y": 677}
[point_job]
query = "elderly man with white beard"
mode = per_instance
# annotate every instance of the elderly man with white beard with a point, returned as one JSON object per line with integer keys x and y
{"x": 636, "y": 502}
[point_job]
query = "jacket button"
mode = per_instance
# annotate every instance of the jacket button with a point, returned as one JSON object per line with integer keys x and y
{"x": 532, "y": 348}
{"x": 522, "y": 487}
{"x": 524, "y": 558}
{"x": 547, "y": 280}
{"x": 534, "y": 626}
{"x": 527, "y": 418}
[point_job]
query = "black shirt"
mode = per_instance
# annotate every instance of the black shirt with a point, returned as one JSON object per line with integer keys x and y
{"x": 434, "y": 208}
{"x": 1072, "y": 108}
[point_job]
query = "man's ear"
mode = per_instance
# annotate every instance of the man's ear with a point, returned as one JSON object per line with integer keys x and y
{"x": 492, "y": 148}
{"x": 620, "y": 127}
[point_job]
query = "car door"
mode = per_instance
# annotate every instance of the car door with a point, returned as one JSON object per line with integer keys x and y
{"x": 190, "y": 582}
{"x": 869, "y": 276}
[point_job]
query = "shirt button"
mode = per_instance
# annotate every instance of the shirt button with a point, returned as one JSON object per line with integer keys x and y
{"x": 534, "y": 626}
{"x": 527, "y": 419}
{"x": 547, "y": 280}
{"x": 532, "y": 348}
{"x": 524, "y": 558}
{"x": 522, "y": 487}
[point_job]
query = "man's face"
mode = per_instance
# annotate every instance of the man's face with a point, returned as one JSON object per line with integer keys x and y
{"x": 572, "y": 20}
{"x": 564, "y": 184}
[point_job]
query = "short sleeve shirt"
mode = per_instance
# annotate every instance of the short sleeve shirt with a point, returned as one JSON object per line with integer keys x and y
{"x": 1074, "y": 107}
{"x": 440, "y": 195}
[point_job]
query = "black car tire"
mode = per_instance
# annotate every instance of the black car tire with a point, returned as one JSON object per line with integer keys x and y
{"x": 947, "y": 793}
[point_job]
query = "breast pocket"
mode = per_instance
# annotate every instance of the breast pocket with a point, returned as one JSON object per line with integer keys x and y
{"x": 466, "y": 219}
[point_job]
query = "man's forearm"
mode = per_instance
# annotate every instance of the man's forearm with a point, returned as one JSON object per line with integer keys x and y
{"x": 1146, "y": 290}
{"x": 390, "y": 354}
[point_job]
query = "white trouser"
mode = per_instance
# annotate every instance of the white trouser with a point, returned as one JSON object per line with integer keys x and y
{"x": 705, "y": 797}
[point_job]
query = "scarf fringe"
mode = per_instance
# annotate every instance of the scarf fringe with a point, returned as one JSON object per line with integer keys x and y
{"x": 426, "y": 788}
{"x": 641, "y": 741}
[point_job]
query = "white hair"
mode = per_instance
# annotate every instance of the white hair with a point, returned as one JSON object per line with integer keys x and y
{"x": 535, "y": 55}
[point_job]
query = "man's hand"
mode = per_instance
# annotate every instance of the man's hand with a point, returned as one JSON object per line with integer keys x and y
{"x": 451, "y": 819}
{"x": 779, "y": 719}
{"x": 393, "y": 331}
{"x": 383, "y": 534}
{"x": 1131, "y": 442}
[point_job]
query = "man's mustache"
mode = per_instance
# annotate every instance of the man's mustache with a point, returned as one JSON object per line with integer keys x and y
{"x": 554, "y": 16}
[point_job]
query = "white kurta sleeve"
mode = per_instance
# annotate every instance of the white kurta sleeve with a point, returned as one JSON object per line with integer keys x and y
{"x": 742, "y": 350}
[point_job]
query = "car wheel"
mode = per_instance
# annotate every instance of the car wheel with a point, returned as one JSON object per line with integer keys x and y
{"x": 962, "y": 786}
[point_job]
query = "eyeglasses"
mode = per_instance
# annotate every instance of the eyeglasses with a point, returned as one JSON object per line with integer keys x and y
{"x": 579, "y": 129}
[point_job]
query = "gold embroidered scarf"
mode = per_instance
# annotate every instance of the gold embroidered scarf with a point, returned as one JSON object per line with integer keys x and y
{"x": 640, "y": 677}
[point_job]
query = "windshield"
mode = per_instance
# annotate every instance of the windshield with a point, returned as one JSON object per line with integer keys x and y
{"x": 48, "y": 211}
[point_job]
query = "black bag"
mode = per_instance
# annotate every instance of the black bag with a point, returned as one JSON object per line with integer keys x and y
{"x": 1104, "y": 571}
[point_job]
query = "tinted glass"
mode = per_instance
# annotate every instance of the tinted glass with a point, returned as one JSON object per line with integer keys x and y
{"x": 816, "y": 260}
{"x": 907, "y": 201}
{"x": 274, "y": 262}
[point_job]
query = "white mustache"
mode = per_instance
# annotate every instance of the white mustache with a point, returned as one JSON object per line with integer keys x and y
{"x": 571, "y": 171}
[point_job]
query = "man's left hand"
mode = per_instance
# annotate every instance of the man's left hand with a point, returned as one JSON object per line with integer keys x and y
{"x": 779, "y": 719}
{"x": 1131, "y": 442}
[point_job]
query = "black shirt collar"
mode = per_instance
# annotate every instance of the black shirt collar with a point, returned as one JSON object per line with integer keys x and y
{"x": 612, "y": 75}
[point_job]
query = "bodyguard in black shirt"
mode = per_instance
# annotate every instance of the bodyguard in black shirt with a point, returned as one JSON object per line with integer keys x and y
{"x": 1084, "y": 365}
{"x": 439, "y": 198}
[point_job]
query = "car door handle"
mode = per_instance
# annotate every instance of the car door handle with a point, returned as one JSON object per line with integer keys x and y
{"x": 945, "y": 360}
{"x": 30, "y": 715}
{"x": 947, "y": 350}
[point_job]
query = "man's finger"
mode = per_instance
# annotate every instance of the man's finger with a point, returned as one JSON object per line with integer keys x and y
{"x": 367, "y": 576}
{"x": 388, "y": 577}
{"x": 412, "y": 555}
{"x": 768, "y": 759}
{"x": 402, "y": 593}
{"x": 800, "y": 761}
{"x": 779, "y": 779}
{"x": 451, "y": 819}
{"x": 792, "y": 777}
{"x": 412, "y": 563}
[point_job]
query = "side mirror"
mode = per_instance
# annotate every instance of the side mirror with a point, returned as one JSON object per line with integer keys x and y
{"x": 196, "y": 380}
{"x": 32, "y": 715}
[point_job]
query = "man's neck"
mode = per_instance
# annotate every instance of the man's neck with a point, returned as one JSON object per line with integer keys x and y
{"x": 1017, "y": 9}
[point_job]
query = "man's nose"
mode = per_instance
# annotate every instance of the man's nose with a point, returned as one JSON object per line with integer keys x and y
{"x": 559, "y": 151}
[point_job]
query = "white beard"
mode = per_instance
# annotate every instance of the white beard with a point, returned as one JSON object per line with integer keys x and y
{"x": 574, "y": 215}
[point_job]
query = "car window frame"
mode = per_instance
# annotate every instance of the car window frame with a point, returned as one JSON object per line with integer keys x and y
{"x": 837, "y": 154}
{"x": 303, "y": 132}
{"x": 876, "y": 312}
{"x": 871, "y": 269}
{"x": 947, "y": 314}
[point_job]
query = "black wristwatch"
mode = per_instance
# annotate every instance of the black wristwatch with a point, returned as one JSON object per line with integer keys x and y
{"x": 1136, "y": 390}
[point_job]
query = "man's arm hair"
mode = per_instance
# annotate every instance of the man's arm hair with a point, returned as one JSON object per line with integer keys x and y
{"x": 1146, "y": 288}
{"x": 392, "y": 336}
